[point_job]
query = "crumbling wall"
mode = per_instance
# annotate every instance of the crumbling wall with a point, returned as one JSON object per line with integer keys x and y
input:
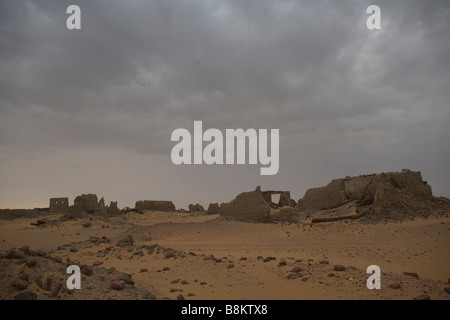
{"x": 285, "y": 198}
{"x": 6, "y": 214}
{"x": 59, "y": 205}
{"x": 247, "y": 206}
{"x": 167, "y": 206}
{"x": 391, "y": 195}
{"x": 113, "y": 209}
{"x": 341, "y": 191}
{"x": 87, "y": 203}
{"x": 196, "y": 208}
{"x": 329, "y": 196}
{"x": 213, "y": 208}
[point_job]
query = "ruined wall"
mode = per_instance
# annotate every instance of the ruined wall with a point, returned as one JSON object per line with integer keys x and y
{"x": 213, "y": 208}
{"x": 113, "y": 209}
{"x": 6, "y": 214}
{"x": 285, "y": 198}
{"x": 59, "y": 205}
{"x": 154, "y": 205}
{"x": 329, "y": 196}
{"x": 195, "y": 208}
{"x": 247, "y": 206}
{"x": 87, "y": 203}
{"x": 390, "y": 194}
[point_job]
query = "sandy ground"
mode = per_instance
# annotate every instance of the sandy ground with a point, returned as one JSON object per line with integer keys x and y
{"x": 205, "y": 257}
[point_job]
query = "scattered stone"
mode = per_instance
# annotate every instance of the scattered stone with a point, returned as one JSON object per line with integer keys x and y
{"x": 73, "y": 249}
{"x": 218, "y": 260}
{"x": 423, "y": 297}
{"x": 97, "y": 263}
{"x": 111, "y": 270}
{"x": 143, "y": 270}
{"x": 447, "y": 289}
{"x": 175, "y": 281}
{"x": 411, "y": 274}
{"x": 166, "y": 269}
{"x": 395, "y": 285}
{"x": 25, "y": 249}
{"x": 331, "y": 275}
{"x": 128, "y": 281}
{"x": 27, "y": 295}
{"x": 56, "y": 291}
{"x": 57, "y": 259}
{"x": 48, "y": 284}
{"x": 41, "y": 253}
{"x": 192, "y": 253}
{"x": 147, "y": 295}
{"x": 202, "y": 283}
{"x": 169, "y": 254}
{"x": 305, "y": 279}
{"x": 118, "y": 285}
{"x": 282, "y": 263}
{"x": 245, "y": 259}
{"x": 20, "y": 284}
{"x": 350, "y": 268}
{"x": 259, "y": 258}
{"x": 184, "y": 282}
{"x": 125, "y": 242}
{"x": 294, "y": 275}
{"x": 176, "y": 290}
{"x": 339, "y": 267}
{"x": 86, "y": 270}
{"x": 31, "y": 262}
{"x": 180, "y": 297}
{"x": 38, "y": 223}
{"x": 231, "y": 265}
{"x": 18, "y": 254}
{"x": 191, "y": 294}
{"x": 87, "y": 224}
{"x": 297, "y": 269}
{"x": 324, "y": 262}
{"x": 271, "y": 258}
{"x": 24, "y": 274}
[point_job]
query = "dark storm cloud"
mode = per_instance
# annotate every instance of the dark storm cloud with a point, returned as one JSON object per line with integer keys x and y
{"x": 347, "y": 100}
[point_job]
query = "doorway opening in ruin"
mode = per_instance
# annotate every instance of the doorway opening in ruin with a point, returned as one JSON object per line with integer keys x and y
{"x": 275, "y": 198}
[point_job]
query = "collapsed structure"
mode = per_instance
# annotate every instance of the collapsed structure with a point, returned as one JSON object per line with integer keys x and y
{"x": 196, "y": 208}
{"x": 154, "y": 205}
{"x": 385, "y": 196}
{"x": 253, "y": 206}
{"x": 89, "y": 204}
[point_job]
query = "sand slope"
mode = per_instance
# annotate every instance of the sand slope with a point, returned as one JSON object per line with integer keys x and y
{"x": 206, "y": 257}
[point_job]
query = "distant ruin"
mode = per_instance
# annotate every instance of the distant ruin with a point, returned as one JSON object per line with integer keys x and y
{"x": 89, "y": 204}
{"x": 59, "y": 205}
{"x": 213, "y": 208}
{"x": 247, "y": 206}
{"x": 196, "y": 208}
{"x": 153, "y": 205}
{"x": 389, "y": 195}
{"x": 285, "y": 199}
{"x": 373, "y": 197}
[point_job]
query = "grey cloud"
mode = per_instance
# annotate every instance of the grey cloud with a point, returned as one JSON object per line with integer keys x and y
{"x": 346, "y": 100}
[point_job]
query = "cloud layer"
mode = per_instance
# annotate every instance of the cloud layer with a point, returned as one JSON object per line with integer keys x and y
{"x": 93, "y": 110}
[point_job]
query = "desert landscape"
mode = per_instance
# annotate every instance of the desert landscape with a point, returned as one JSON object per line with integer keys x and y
{"x": 252, "y": 247}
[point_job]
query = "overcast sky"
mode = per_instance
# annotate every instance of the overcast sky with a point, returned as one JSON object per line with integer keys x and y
{"x": 92, "y": 110}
